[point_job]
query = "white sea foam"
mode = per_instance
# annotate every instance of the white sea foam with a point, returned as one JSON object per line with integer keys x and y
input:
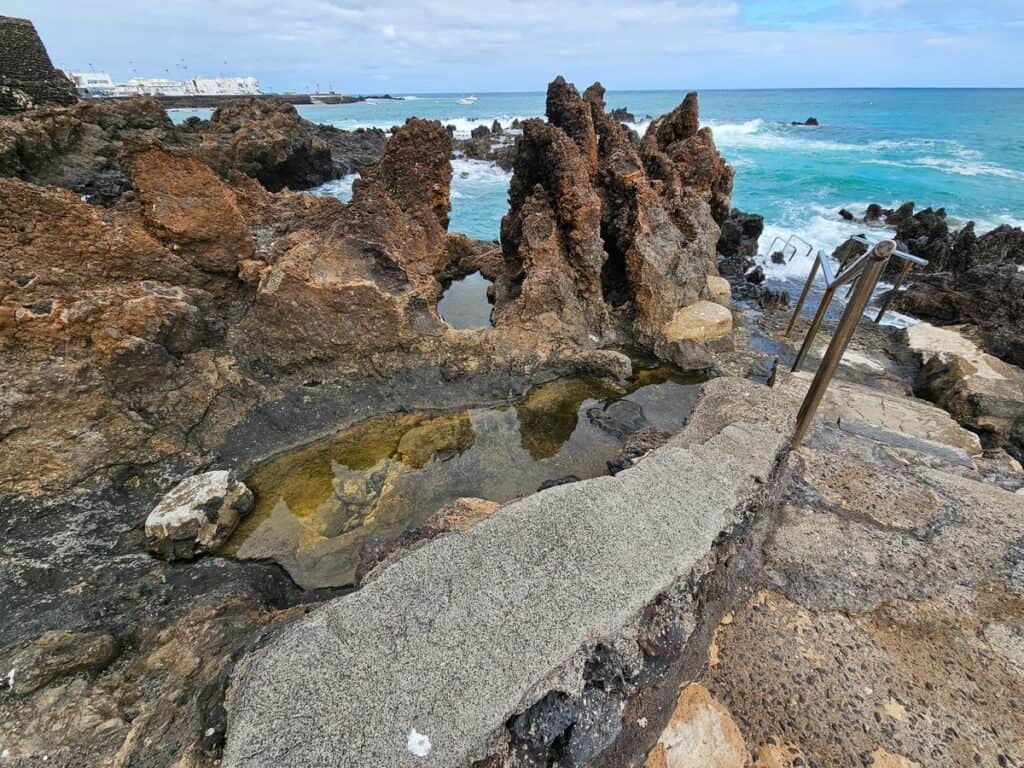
{"x": 956, "y": 165}
{"x": 471, "y": 178}
{"x": 339, "y": 188}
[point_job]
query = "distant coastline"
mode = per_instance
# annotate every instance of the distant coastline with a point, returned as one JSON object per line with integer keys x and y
{"x": 206, "y": 101}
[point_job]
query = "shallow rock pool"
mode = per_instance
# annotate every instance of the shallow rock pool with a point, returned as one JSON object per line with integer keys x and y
{"x": 465, "y": 305}
{"x": 317, "y": 506}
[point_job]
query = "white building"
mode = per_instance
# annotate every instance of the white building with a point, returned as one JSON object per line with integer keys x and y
{"x": 92, "y": 82}
{"x": 101, "y": 84}
{"x": 227, "y": 86}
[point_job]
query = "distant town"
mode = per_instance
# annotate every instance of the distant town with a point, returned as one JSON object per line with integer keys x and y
{"x": 100, "y": 84}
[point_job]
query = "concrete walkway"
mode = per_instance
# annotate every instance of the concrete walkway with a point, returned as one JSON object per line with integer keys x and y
{"x": 425, "y": 664}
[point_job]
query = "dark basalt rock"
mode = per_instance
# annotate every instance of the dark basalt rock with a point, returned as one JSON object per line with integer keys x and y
{"x": 557, "y": 481}
{"x": 637, "y": 445}
{"x": 982, "y": 285}
{"x": 901, "y": 214}
{"x": 968, "y": 279}
{"x": 808, "y": 121}
{"x": 740, "y": 234}
{"x": 755, "y": 275}
{"x": 875, "y": 212}
{"x": 623, "y": 115}
{"x": 620, "y": 418}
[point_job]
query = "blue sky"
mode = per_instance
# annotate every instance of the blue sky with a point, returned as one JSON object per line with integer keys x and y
{"x": 399, "y": 46}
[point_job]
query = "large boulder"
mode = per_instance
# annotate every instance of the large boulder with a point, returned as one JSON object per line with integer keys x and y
{"x": 268, "y": 140}
{"x": 982, "y": 392}
{"x": 198, "y": 515}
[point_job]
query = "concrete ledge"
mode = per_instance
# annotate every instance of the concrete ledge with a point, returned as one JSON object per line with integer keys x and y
{"x": 462, "y": 634}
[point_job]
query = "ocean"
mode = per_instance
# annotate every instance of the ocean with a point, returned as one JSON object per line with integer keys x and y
{"x": 962, "y": 149}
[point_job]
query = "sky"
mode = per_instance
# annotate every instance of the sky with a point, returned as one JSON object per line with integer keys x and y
{"x": 401, "y": 46}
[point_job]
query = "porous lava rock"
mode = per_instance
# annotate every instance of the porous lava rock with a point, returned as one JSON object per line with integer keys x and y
{"x": 605, "y": 241}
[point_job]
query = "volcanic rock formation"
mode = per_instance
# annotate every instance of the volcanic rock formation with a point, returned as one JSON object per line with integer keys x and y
{"x": 604, "y": 241}
{"x": 80, "y": 147}
{"x": 978, "y": 281}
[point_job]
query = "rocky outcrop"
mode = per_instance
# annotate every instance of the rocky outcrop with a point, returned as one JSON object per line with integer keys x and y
{"x": 982, "y": 392}
{"x": 194, "y": 300}
{"x": 80, "y": 147}
{"x": 266, "y": 139}
{"x": 970, "y": 280}
{"x": 491, "y": 144}
{"x": 738, "y": 242}
{"x": 604, "y": 241}
{"x": 351, "y": 151}
{"x": 982, "y": 286}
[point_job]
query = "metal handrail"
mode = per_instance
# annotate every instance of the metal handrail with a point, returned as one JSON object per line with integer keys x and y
{"x": 794, "y": 236}
{"x": 867, "y": 268}
{"x": 785, "y": 244}
{"x": 909, "y": 262}
{"x": 847, "y": 270}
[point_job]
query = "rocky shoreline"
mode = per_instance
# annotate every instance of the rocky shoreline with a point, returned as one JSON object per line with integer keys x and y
{"x": 173, "y": 309}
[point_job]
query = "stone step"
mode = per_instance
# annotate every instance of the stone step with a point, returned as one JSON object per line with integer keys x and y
{"x": 910, "y": 416}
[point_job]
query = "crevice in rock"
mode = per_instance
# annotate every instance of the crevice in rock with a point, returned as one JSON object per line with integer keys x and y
{"x": 615, "y": 285}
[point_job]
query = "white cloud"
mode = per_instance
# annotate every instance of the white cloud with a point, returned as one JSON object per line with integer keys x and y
{"x": 878, "y": 6}
{"x": 388, "y": 30}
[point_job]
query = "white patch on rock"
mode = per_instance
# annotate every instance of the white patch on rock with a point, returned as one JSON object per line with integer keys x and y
{"x": 418, "y": 743}
{"x": 10, "y": 678}
{"x": 198, "y": 515}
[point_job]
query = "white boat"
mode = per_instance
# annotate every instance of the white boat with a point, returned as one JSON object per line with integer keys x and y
{"x": 467, "y": 100}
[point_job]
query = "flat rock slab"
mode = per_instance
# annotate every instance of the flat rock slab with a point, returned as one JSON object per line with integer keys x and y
{"x": 846, "y": 401}
{"x": 424, "y": 665}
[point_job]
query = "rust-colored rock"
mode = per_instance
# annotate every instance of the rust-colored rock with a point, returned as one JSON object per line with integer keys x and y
{"x": 185, "y": 204}
{"x": 605, "y": 242}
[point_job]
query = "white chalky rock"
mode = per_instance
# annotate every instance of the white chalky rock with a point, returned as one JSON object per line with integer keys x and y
{"x": 198, "y": 515}
{"x": 418, "y": 743}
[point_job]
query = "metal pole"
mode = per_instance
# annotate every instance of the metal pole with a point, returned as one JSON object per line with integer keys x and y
{"x": 803, "y": 297}
{"x": 812, "y": 331}
{"x": 907, "y": 266}
{"x": 865, "y": 286}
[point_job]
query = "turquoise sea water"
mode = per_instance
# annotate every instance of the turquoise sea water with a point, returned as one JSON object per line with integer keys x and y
{"x": 958, "y": 148}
